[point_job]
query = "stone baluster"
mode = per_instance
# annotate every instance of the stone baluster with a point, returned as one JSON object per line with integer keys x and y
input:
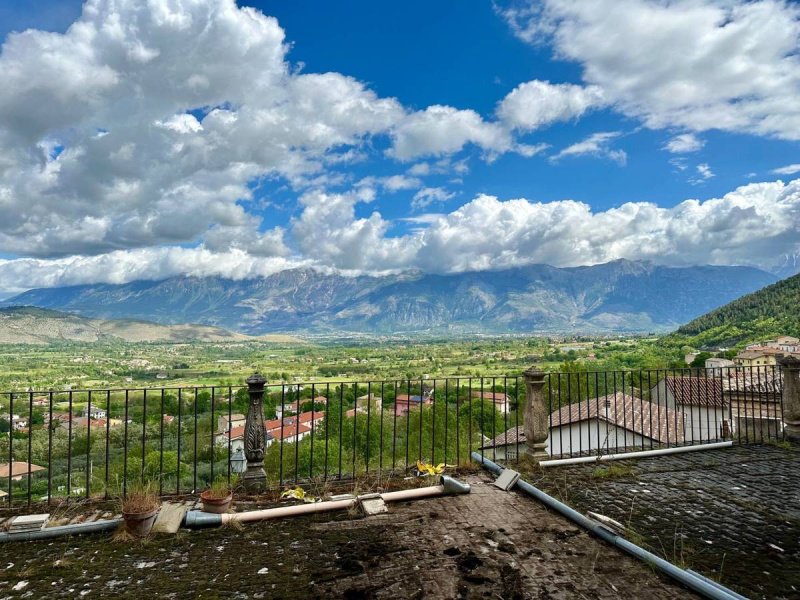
{"x": 536, "y": 414}
{"x": 255, "y": 478}
{"x": 790, "y": 366}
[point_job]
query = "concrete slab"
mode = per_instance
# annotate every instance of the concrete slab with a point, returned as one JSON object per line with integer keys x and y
{"x": 507, "y": 480}
{"x": 372, "y": 504}
{"x": 170, "y": 517}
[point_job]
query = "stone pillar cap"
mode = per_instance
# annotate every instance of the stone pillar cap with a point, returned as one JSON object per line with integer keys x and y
{"x": 789, "y": 361}
{"x": 533, "y": 371}
{"x": 256, "y": 378}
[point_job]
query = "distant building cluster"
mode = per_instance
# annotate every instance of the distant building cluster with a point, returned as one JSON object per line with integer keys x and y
{"x": 766, "y": 353}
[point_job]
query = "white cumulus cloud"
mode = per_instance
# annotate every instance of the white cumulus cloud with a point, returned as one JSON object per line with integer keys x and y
{"x": 693, "y": 64}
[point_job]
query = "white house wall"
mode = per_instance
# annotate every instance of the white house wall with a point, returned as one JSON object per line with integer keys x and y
{"x": 585, "y": 437}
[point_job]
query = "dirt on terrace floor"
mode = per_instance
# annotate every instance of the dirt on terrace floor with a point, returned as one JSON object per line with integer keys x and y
{"x": 487, "y": 544}
{"x": 732, "y": 514}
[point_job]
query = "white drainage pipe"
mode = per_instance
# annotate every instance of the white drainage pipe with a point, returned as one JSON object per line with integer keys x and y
{"x": 196, "y": 518}
{"x": 638, "y": 454}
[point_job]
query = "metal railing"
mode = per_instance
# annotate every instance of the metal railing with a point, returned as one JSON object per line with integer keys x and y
{"x": 607, "y": 412}
{"x": 77, "y": 444}
{"x": 101, "y": 442}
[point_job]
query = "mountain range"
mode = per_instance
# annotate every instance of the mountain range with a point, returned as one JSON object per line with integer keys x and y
{"x": 624, "y": 296}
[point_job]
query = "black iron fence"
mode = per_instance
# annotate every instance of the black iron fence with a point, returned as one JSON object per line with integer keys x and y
{"x": 609, "y": 412}
{"x": 88, "y": 443}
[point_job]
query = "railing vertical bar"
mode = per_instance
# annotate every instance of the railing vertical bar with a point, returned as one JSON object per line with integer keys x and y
{"x": 710, "y": 397}
{"x": 578, "y": 398}
{"x": 341, "y": 425}
{"x": 560, "y": 419}
{"x": 10, "y": 448}
{"x": 194, "y": 451}
{"x": 327, "y": 424}
{"x": 161, "y": 445}
{"x": 394, "y": 427}
{"x": 180, "y": 428}
{"x": 88, "y": 442}
{"x": 516, "y": 415}
{"x": 482, "y": 435}
{"x": 433, "y": 422}
{"x": 30, "y": 444}
{"x": 419, "y": 456}
{"x": 296, "y": 406}
{"x": 230, "y": 418}
{"x": 597, "y": 407}
{"x": 50, "y": 431}
{"x": 144, "y": 428}
{"x": 458, "y": 421}
{"x": 380, "y": 433}
{"x": 369, "y": 405}
{"x": 760, "y": 428}
{"x": 469, "y": 409}
{"x": 108, "y": 434}
{"x": 624, "y": 415}
{"x": 650, "y": 410}
{"x": 280, "y": 442}
{"x": 569, "y": 409}
{"x": 311, "y": 459}
{"x": 445, "y": 420}
{"x": 211, "y": 431}
{"x": 69, "y": 448}
{"x": 125, "y": 450}
{"x": 355, "y": 421}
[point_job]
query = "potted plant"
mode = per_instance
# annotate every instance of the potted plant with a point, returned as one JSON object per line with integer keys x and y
{"x": 139, "y": 510}
{"x": 217, "y": 498}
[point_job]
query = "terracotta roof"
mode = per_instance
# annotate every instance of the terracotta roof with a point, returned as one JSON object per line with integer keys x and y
{"x": 755, "y": 410}
{"x": 634, "y": 414}
{"x": 18, "y": 468}
{"x": 288, "y": 432}
{"x": 497, "y": 397}
{"x": 305, "y": 417}
{"x": 512, "y": 436}
{"x": 696, "y": 391}
{"x": 769, "y": 382}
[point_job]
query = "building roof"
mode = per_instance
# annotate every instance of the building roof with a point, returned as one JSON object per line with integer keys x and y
{"x": 496, "y": 397}
{"x": 304, "y": 417}
{"x": 288, "y": 431}
{"x": 757, "y": 353}
{"x": 634, "y": 414}
{"x": 515, "y": 435}
{"x": 764, "y": 382}
{"x": 18, "y": 468}
{"x": 406, "y": 399}
{"x": 696, "y": 391}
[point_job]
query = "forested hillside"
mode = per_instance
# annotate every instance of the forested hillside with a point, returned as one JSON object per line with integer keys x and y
{"x": 766, "y": 313}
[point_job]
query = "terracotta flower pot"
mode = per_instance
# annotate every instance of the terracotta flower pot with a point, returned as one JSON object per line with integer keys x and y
{"x": 216, "y": 505}
{"x": 139, "y": 524}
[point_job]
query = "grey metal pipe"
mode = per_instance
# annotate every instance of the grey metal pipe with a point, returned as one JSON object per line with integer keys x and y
{"x": 51, "y": 532}
{"x": 700, "y": 585}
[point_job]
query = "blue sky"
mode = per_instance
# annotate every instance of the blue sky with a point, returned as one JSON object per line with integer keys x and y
{"x": 492, "y": 118}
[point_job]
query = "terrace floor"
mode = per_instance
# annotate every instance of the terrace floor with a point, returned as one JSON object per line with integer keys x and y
{"x": 487, "y": 544}
{"x": 732, "y": 514}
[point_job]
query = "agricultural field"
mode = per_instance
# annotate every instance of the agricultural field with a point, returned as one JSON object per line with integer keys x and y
{"x": 71, "y": 365}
